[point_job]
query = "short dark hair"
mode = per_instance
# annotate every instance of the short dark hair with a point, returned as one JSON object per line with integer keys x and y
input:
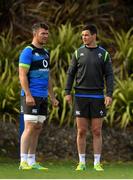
{"x": 91, "y": 27}
{"x": 39, "y": 25}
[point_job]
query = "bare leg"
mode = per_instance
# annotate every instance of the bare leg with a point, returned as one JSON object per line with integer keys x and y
{"x": 82, "y": 127}
{"x": 97, "y": 142}
{"x": 34, "y": 142}
{"x": 26, "y": 137}
{"x": 97, "y": 135}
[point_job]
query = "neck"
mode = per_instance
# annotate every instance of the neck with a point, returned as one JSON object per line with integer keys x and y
{"x": 38, "y": 45}
{"x": 91, "y": 46}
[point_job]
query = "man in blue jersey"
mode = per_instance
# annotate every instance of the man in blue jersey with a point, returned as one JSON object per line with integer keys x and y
{"x": 34, "y": 75}
{"x": 90, "y": 66}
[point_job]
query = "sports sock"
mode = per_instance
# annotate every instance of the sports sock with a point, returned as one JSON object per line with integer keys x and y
{"x": 96, "y": 158}
{"x": 82, "y": 158}
{"x": 23, "y": 157}
{"x": 31, "y": 159}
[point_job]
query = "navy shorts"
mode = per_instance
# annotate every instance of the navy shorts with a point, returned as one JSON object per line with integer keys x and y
{"x": 89, "y": 107}
{"x": 39, "y": 109}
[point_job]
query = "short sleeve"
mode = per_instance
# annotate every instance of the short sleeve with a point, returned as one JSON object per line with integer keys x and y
{"x": 25, "y": 58}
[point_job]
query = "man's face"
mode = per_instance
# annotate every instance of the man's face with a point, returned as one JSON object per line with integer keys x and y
{"x": 87, "y": 38}
{"x": 41, "y": 36}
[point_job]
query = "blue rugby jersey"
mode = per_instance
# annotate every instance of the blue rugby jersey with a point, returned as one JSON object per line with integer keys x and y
{"x": 37, "y": 60}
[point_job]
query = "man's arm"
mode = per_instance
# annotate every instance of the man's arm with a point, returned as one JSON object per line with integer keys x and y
{"x": 71, "y": 75}
{"x": 109, "y": 78}
{"x": 70, "y": 78}
{"x": 25, "y": 60}
{"x": 25, "y": 85}
{"x": 51, "y": 94}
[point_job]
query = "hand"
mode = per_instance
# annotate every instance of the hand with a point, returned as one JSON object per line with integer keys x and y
{"x": 69, "y": 99}
{"x": 107, "y": 101}
{"x": 55, "y": 102}
{"x": 30, "y": 101}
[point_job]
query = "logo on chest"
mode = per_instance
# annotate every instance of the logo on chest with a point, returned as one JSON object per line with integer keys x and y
{"x": 37, "y": 54}
{"x": 81, "y": 54}
{"x": 99, "y": 55}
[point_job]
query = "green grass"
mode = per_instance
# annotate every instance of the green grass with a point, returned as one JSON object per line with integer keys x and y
{"x": 66, "y": 170}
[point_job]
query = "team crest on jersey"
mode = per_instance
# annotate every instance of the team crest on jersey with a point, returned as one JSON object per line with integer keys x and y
{"x": 99, "y": 55}
{"x": 37, "y": 54}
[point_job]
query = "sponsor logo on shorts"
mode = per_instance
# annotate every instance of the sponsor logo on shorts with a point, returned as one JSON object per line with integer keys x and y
{"x": 34, "y": 111}
{"x": 77, "y": 112}
{"x": 101, "y": 112}
{"x": 22, "y": 110}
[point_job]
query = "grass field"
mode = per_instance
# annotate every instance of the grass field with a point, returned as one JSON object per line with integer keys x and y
{"x": 66, "y": 170}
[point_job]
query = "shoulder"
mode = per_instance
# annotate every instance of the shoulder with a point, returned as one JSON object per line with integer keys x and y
{"x": 82, "y": 47}
{"x": 76, "y": 52}
{"x": 27, "y": 50}
{"x": 104, "y": 52}
{"x": 47, "y": 51}
{"x": 102, "y": 49}
{"x": 26, "y": 55}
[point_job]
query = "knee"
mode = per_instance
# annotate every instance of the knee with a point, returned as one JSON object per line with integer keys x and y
{"x": 34, "y": 129}
{"x": 96, "y": 132}
{"x": 82, "y": 132}
{"x": 29, "y": 130}
{"x": 38, "y": 128}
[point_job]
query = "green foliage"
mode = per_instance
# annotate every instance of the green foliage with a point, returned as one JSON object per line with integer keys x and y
{"x": 120, "y": 44}
{"x": 9, "y": 98}
{"x": 9, "y": 53}
{"x": 123, "y": 56}
{"x": 9, "y": 86}
{"x": 78, "y": 12}
{"x": 63, "y": 114}
{"x": 62, "y": 44}
{"x": 63, "y": 41}
{"x": 61, "y": 50}
{"x": 18, "y": 15}
{"x": 21, "y": 14}
{"x": 121, "y": 110}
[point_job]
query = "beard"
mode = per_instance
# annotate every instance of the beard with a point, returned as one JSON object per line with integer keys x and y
{"x": 42, "y": 41}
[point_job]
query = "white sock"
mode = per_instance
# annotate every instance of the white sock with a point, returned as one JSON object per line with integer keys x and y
{"x": 82, "y": 158}
{"x": 31, "y": 159}
{"x": 96, "y": 158}
{"x": 23, "y": 157}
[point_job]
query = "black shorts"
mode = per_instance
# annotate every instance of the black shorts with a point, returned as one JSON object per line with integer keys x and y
{"x": 89, "y": 107}
{"x": 39, "y": 109}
